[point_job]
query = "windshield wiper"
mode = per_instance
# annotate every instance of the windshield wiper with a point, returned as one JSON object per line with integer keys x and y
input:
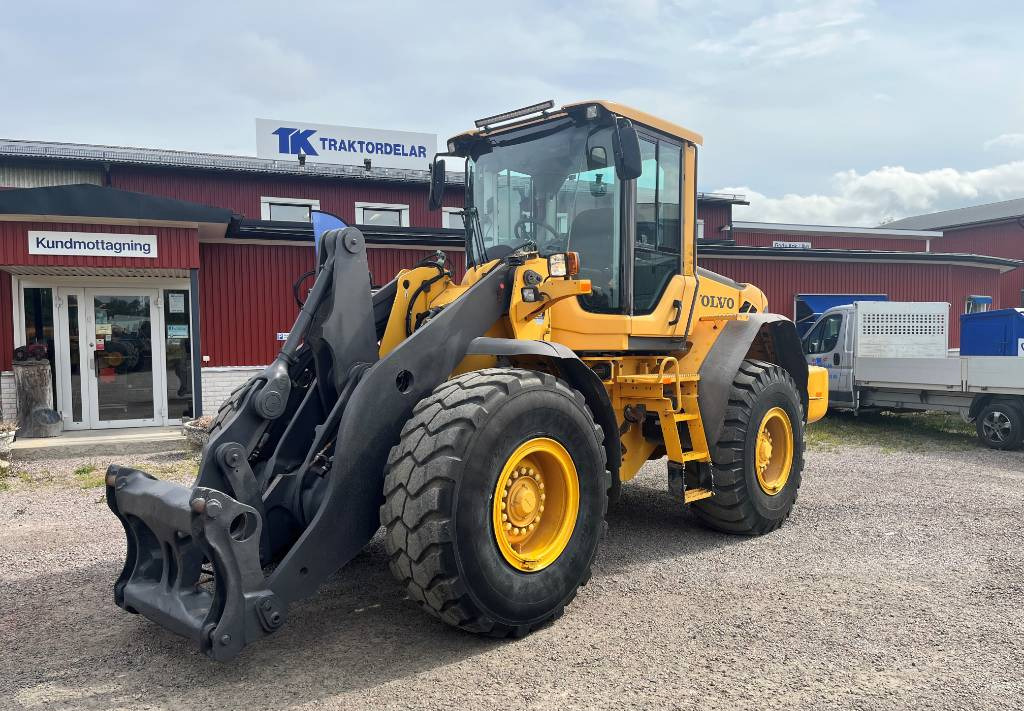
{"x": 478, "y": 233}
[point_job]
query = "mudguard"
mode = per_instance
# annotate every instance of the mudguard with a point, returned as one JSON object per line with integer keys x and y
{"x": 780, "y": 340}
{"x": 578, "y": 375}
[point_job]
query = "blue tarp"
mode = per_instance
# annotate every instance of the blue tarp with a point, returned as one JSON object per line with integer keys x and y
{"x": 323, "y": 221}
{"x": 810, "y": 307}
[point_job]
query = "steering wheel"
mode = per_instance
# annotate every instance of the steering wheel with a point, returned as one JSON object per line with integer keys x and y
{"x": 520, "y": 232}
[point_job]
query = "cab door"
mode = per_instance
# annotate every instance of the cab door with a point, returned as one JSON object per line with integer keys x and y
{"x": 825, "y": 346}
{"x": 660, "y": 254}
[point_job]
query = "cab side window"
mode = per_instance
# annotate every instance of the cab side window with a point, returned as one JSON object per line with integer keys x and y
{"x": 656, "y": 251}
{"x": 824, "y": 337}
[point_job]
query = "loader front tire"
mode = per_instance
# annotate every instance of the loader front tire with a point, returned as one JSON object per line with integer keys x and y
{"x": 759, "y": 458}
{"x": 495, "y": 500}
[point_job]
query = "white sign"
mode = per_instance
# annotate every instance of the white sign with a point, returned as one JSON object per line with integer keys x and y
{"x": 91, "y": 244}
{"x": 282, "y": 336}
{"x": 791, "y": 245}
{"x": 176, "y": 303}
{"x": 346, "y": 145}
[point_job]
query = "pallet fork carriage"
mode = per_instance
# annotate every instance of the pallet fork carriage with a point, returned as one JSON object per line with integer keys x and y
{"x": 487, "y": 424}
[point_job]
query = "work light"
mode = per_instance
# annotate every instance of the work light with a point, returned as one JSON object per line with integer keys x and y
{"x": 564, "y": 264}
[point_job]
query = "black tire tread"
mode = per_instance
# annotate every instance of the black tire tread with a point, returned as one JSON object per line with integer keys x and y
{"x": 419, "y": 488}
{"x": 730, "y": 509}
{"x": 1014, "y": 442}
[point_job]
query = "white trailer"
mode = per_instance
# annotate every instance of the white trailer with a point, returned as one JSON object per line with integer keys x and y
{"x": 891, "y": 355}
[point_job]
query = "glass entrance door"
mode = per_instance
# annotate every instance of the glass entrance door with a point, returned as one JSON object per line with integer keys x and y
{"x": 122, "y": 348}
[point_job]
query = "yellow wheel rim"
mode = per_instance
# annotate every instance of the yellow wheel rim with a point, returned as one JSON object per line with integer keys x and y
{"x": 535, "y": 504}
{"x": 773, "y": 456}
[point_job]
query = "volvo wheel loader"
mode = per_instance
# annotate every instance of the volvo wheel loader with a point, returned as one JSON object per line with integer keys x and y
{"x": 487, "y": 423}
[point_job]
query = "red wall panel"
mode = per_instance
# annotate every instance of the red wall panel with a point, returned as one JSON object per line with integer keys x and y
{"x": 783, "y": 280}
{"x": 245, "y": 294}
{"x": 1000, "y": 240}
{"x": 1012, "y": 289}
{"x": 385, "y": 262}
{"x": 6, "y": 322}
{"x": 877, "y": 244}
{"x": 177, "y": 247}
{"x": 241, "y": 192}
{"x": 715, "y": 216}
{"x": 245, "y": 299}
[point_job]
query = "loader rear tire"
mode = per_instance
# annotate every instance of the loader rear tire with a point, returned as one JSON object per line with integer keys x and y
{"x": 456, "y": 458}
{"x": 756, "y": 477}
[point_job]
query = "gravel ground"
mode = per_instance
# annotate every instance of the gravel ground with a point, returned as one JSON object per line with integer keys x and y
{"x": 897, "y": 583}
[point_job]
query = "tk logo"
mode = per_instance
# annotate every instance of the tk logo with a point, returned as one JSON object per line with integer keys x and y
{"x": 292, "y": 140}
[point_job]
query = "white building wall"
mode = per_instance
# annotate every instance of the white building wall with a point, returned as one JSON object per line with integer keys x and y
{"x": 8, "y": 401}
{"x": 218, "y": 383}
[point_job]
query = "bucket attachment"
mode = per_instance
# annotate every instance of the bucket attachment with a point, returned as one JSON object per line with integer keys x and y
{"x": 290, "y": 482}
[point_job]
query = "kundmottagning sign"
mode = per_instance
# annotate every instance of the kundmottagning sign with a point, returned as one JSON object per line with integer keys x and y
{"x": 91, "y": 244}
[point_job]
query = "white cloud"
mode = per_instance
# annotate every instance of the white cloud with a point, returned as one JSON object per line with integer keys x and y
{"x": 1005, "y": 140}
{"x": 886, "y": 193}
{"x": 814, "y": 30}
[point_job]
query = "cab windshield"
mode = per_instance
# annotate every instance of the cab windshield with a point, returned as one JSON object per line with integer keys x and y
{"x": 553, "y": 189}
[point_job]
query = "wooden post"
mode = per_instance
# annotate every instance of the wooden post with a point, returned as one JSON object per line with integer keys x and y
{"x": 36, "y": 416}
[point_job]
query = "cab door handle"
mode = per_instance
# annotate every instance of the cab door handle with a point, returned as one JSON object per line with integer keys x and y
{"x": 836, "y": 359}
{"x": 678, "y": 306}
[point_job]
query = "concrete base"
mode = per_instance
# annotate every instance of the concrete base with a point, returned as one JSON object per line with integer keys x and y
{"x": 132, "y": 440}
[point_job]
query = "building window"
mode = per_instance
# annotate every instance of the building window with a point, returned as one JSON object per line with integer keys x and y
{"x": 453, "y": 218}
{"x": 379, "y": 214}
{"x": 287, "y": 209}
{"x": 700, "y": 229}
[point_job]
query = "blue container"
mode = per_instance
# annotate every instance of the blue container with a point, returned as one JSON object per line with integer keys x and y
{"x": 993, "y": 333}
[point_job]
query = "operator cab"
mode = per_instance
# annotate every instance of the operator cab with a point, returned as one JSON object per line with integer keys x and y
{"x": 595, "y": 178}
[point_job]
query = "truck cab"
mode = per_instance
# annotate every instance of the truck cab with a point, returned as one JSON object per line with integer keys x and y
{"x": 830, "y": 344}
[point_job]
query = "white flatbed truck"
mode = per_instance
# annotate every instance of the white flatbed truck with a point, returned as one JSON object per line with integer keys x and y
{"x": 894, "y": 356}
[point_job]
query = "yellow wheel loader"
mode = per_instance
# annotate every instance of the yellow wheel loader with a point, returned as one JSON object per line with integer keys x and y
{"x": 486, "y": 424}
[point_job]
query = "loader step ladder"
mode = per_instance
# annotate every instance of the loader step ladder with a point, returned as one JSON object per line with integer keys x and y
{"x": 691, "y": 495}
{"x": 680, "y": 407}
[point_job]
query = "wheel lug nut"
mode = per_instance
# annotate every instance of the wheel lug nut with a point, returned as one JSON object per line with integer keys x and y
{"x": 504, "y": 517}
{"x": 542, "y": 485}
{"x": 533, "y": 526}
{"x": 541, "y": 509}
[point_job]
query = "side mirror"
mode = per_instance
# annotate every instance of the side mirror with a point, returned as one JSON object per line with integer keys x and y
{"x": 626, "y": 145}
{"x": 436, "y": 184}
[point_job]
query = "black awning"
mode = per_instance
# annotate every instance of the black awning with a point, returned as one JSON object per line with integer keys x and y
{"x": 855, "y": 255}
{"x": 98, "y": 202}
{"x": 395, "y": 236}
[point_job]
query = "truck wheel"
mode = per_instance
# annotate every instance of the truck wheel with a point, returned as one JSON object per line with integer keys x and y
{"x": 495, "y": 500}
{"x": 1000, "y": 425}
{"x": 759, "y": 458}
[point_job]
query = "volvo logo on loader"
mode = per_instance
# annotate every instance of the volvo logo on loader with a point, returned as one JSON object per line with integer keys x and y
{"x": 717, "y": 302}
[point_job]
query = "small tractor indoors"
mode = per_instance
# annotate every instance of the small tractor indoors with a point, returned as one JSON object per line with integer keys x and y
{"x": 487, "y": 424}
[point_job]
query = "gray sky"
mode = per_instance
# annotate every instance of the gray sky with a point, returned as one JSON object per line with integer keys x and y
{"x": 830, "y": 112}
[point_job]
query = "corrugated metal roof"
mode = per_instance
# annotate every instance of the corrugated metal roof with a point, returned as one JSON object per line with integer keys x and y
{"x": 990, "y": 212}
{"x": 207, "y": 161}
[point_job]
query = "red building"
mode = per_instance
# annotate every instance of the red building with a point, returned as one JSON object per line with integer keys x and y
{"x": 996, "y": 228}
{"x": 145, "y": 271}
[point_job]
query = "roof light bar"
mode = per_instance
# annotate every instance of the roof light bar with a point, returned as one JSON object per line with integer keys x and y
{"x": 517, "y": 113}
